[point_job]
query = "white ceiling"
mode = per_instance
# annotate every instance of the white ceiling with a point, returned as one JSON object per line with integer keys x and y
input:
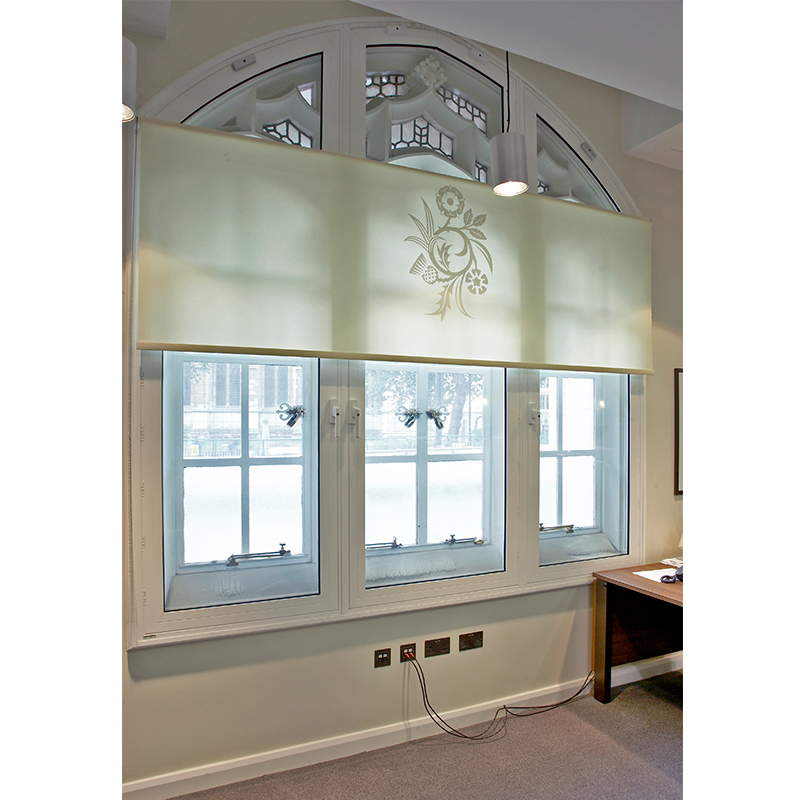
{"x": 633, "y": 45}
{"x": 146, "y": 16}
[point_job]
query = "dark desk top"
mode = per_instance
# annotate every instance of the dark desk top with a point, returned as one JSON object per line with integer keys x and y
{"x": 670, "y": 592}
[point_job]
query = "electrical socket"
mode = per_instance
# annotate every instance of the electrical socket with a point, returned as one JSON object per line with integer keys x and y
{"x": 383, "y": 657}
{"x": 469, "y": 641}
{"x": 408, "y": 652}
{"x": 437, "y": 647}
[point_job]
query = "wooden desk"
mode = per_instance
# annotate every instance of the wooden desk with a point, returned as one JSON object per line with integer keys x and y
{"x": 634, "y": 618}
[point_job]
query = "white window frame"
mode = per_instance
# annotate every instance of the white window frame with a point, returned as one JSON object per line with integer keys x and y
{"x": 298, "y": 564}
{"x": 422, "y": 458}
{"x": 341, "y": 597}
{"x": 493, "y": 501}
{"x": 605, "y": 504}
{"x": 150, "y": 623}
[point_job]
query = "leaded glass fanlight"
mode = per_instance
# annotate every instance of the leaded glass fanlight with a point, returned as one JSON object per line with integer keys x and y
{"x": 430, "y": 111}
{"x": 281, "y": 104}
{"x": 563, "y": 175}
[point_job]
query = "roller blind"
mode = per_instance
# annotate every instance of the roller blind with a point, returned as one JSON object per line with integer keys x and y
{"x": 248, "y": 245}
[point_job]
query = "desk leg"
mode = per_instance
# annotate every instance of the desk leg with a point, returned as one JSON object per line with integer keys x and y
{"x": 602, "y": 643}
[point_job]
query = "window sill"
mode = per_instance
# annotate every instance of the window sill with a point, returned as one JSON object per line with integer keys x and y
{"x": 227, "y": 621}
{"x": 563, "y": 550}
{"x": 244, "y": 584}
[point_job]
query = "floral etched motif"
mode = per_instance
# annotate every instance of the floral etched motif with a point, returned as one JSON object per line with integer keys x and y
{"x": 477, "y": 282}
{"x": 450, "y": 201}
{"x": 451, "y": 252}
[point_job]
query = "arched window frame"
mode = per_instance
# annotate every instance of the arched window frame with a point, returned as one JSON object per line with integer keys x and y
{"x": 343, "y": 46}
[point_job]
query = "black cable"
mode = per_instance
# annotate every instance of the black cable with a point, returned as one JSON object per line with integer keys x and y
{"x": 531, "y": 710}
{"x": 494, "y": 728}
{"x": 497, "y": 725}
{"x": 508, "y": 94}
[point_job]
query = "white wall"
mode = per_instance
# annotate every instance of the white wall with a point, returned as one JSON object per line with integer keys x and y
{"x": 188, "y": 705}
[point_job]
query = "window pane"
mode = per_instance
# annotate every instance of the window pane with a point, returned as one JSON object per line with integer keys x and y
{"x": 282, "y": 104}
{"x": 276, "y": 400}
{"x": 212, "y": 425}
{"x": 578, "y": 414}
{"x": 212, "y": 515}
{"x": 429, "y": 111}
{"x": 220, "y": 501}
{"x": 548, "y": 406}
{"x": 390, "y": 393}
{"x": 455, "y": 500}
{"x": 548, "y": 492}
{"x": 579, "y": 491}
{"x": 583, "y": 468}
{"x": 562, "y": 173}
{"x": 434, "y": 474}
{"x": 276, "y": 508}
{"x": 458, "y": 401}
{"x": 391, "y": 503}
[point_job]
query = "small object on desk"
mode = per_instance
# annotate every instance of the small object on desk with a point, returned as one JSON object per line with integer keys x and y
{"x": 678, "y": 576}
{"x": 673, "y": 562}
{"x": 655, "y": 574}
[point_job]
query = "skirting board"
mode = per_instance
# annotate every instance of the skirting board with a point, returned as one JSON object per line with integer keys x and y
{"x": 163, "y": 787}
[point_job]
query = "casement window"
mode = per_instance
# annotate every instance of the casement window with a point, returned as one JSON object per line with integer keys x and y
{"x": 337, "y": 404}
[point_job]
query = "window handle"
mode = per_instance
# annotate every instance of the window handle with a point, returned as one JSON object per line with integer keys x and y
{"x": 334, "y": 418}
{"x": 438, "y": 416}
{"x": 544, "y": 529}
{"x": 384, "y": 545}
{"x": 534, "y": 417}
{"x": 355, "y": 417}
{"x": 233, "y": 560}
{"x": 290, "y": 414}
{"x": 408, "y": 416}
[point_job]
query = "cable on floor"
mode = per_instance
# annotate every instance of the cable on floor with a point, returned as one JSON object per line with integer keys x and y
{"x": 498, "y": 723}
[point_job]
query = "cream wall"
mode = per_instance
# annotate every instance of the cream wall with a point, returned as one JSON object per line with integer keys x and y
{"x": 188, "y": 705}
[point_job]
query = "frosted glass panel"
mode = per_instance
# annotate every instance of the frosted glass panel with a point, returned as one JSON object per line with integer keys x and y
{"x": 455, "y": 494}
{"x": 579, "y": 414}
{"x": 276, "y": 508}
{"x": 391, "y": 503}
{"x": 548, "y": 492}
{"x": 212, "y": 523}
{"x": 579, "y": 491}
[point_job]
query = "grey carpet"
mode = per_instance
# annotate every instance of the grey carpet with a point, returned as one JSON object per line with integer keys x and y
{"x": 629, "y": 749}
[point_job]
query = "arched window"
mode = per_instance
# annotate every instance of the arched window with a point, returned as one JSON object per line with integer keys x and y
{"x": 281, "y": 104}
{"x": 426, "y": 99}
{"x": 259, "y": 519}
